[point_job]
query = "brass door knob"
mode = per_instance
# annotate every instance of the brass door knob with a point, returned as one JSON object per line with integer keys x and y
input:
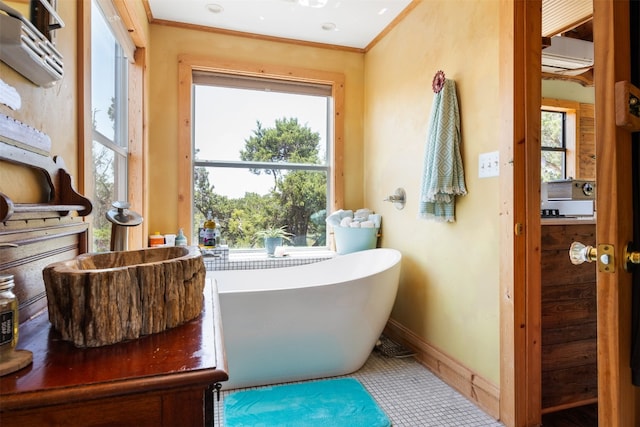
{"x": 630, "y": 257}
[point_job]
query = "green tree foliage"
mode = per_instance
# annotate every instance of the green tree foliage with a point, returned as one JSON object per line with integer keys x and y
{"x": 297, "y": 200}
{"x": 104, "y": 192}
{"x": 287, "y": 142}
{"x": 203, "y": 198}
{"x": 302, "y": 194}
{"x": 103, "y": 197}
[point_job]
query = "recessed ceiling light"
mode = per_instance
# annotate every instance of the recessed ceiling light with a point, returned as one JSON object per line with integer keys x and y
{"x": 329, "y": 26}
{"x": 215, "y": 8}
{"x": 382, "y": 11}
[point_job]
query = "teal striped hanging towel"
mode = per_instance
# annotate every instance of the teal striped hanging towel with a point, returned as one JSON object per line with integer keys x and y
{"x": 443, "y": 175}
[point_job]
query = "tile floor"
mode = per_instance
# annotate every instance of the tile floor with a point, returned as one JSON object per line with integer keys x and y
{"x": 410, "y": 395}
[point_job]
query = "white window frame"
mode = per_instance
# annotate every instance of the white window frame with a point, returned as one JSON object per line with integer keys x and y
{"x": 119, "y": 145}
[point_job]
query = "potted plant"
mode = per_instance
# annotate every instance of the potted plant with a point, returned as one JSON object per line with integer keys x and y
{"x": 273, "y": 236}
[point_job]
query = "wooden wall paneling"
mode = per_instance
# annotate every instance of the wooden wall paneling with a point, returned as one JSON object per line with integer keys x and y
{"x": 569, "y": 320}
{"x": 185, "y": 144}
{"x": 587, "y": 152}
{"x": 42, "y": 243}
{"x": 138, "y": 136}
{"x": 571, "y": 385}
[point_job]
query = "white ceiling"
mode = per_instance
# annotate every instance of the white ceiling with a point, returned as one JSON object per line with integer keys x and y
{"x": 357, "y": 22}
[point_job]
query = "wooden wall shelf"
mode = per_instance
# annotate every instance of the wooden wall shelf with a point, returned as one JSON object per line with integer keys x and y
{"x": 63, "y": 199}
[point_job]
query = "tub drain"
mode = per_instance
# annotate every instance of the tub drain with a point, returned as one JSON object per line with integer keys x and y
{"x": 389, "y": 348}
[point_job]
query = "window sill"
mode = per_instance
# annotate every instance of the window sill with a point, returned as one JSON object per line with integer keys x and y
{"x": 244, "y": 260}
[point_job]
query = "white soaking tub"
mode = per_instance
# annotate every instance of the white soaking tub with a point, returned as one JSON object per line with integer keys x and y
{"x": 304, "y": 322}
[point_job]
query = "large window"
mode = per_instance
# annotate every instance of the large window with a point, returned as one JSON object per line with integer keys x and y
{"x": 109, "y": 89}
{"x": 262, "y": 157}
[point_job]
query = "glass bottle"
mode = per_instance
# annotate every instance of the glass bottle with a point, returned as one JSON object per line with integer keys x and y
{"x": 8, "y": 317}
{"x": 209, "y": 232}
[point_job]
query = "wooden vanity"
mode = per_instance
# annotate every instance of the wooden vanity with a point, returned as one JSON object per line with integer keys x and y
{"x": 163, "y": 379}
{"x": 569, "y": 312}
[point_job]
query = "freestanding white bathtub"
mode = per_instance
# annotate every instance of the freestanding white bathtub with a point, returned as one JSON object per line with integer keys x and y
{"x": 311, "y": 321}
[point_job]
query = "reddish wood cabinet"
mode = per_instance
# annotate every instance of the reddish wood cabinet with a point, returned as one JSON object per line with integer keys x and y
{"x": 163, "y": 379}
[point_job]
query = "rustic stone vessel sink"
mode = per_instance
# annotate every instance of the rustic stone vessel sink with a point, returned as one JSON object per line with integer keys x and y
{"x": 104, "y": 298}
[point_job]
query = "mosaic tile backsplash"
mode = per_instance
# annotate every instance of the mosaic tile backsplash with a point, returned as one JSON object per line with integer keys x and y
{"x": 222, "y": 259}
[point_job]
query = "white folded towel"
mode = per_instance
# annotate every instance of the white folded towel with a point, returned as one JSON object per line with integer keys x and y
{"x": 362, "y": 214}
{"x": 333, "y": 221}
{"x": 335, "y": 218}
{"x": 376, "y": 218}
{"x": 346, "y": 222}
{"x": 367, "y": 224}
{"x": 346, "y": 213}
{"x": 355, "y": 224}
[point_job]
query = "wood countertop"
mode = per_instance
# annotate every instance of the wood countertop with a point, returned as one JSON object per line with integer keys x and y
{"x": 568, "y": 221}
{"x": 189, "y": 355}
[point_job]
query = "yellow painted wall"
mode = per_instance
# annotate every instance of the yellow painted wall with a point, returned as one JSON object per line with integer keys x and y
{"x": 50, "y": 110}
{"x": 449, "y": 290}
{"x": 167, "y": 43}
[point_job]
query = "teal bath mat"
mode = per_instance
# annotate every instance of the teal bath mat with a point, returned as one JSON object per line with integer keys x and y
{"x": 342, "y": 402}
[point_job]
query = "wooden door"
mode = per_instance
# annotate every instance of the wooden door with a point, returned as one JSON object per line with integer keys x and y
{"x": 618, "y": 399}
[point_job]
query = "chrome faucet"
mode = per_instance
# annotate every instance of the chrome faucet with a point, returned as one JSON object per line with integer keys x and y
{"x": 121, "y": 218}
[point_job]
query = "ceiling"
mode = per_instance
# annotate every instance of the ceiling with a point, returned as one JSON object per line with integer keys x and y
{"x": 352, "y": 24}
{"x": 570, "y": 19}
{"x": 347, "y": 23}
{"x": 559, "y": 16}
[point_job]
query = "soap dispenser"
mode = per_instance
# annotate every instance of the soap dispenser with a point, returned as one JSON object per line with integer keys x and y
{"x": 181, "y": 239}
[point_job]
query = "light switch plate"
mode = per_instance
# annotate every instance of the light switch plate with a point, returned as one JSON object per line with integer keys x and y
{"x": 489, "y": 164}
